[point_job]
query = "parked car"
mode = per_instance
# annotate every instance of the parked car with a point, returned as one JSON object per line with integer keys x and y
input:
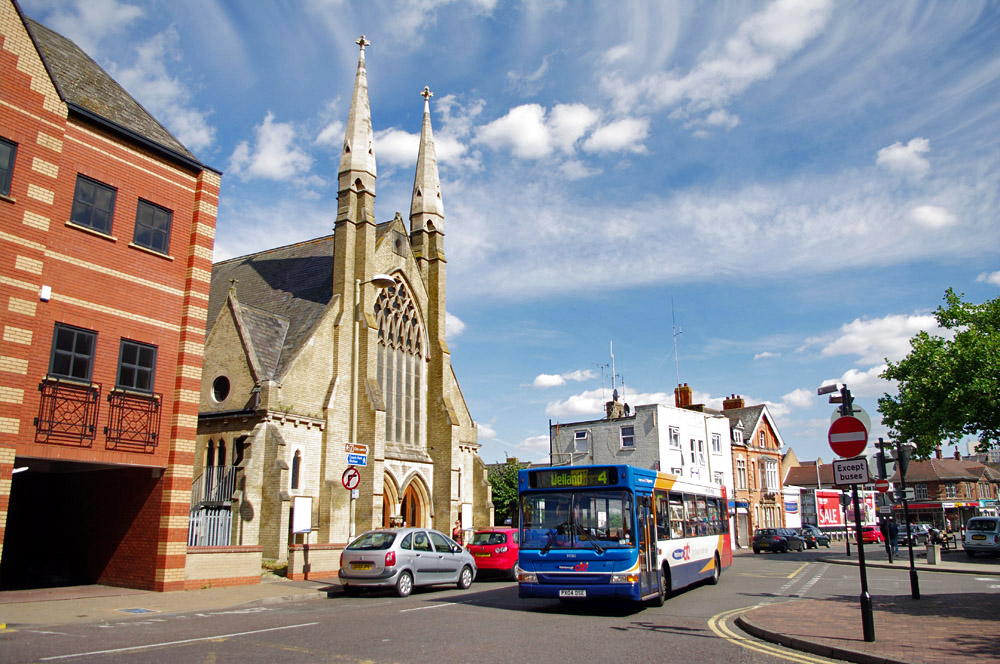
{"x": 814, "y": 537}
{"x": 495, "y": 549}
{"x": 871, "y": 535}
{"x": 777, "y": 540}
{"x": 404, "y": 558}
{"x": 918, "y": 534}
{"x": 982, "y": 534}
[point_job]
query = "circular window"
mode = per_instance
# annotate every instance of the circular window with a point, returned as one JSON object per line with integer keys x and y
{"x": 220, "y": 388}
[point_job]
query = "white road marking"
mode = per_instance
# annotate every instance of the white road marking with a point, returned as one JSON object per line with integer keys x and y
{"x": 172, "y": 643}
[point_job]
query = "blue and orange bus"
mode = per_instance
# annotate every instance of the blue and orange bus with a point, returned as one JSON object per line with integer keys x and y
{"x": 618, "y": 531}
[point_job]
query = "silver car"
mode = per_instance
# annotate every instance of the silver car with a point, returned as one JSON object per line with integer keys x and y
{"x": 402, "y": 558}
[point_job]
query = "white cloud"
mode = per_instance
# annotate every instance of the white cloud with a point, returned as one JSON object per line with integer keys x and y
{"x": 568, "y": 123}
{"x": 522, "y": 130}
{"x": 906, "y": 158}
{"x": 274, "y": 155}
{"x": 800, "y": 398}
{"x": 989, "y": 278}
{"x": 932, "y": 217}
{"x": 485, "y": 431}
{"x": 556, "y": 380}
{"x": 528, "y": 83}
{"x": 766, "y": 354}
{"x": 534, "y": 449}
{"x": 396, "y": 147}
{"x": 873, "y": 340}
{"x": 90, "y": 22}
{"x": 627, "y": 134}
{"x": 332, "y": 135}
{"x": 453, "y": 325}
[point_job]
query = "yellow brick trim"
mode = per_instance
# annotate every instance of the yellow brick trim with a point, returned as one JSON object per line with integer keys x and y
{"x": 28, "y": 244}
{"x": 168, "y": 575}
{"x": 13, "y": 365}
{"x": 7, "y": 455}
{"x": 207, "y": 208}
{"x": 180, "y": 471}
{"x": 189, "y": 421}
{"x": 36, "y": 221}
{"x": 32, "y": 265}
{"x": 10, "y": 425}
{"x": 41, "y": 194}
{"x": 23, "y": 307}
{"x": 173, "y": 521}
{"x": 172, "y": 548}
{"x": 201, "y": 228}
{"x": 50, "y": 142}
{"x": 186, "y": 371}
{"x": 11, "y": 395}
{"x": 134, "y": 153}
{"x": 17, "y": 41}
{"x": 132, "y": 279}
{"x": 193, "y": 348}
{"x": 188, "y": 396}
{"x": 211, "y": 178}
{"x": 45, "y": 167}
{"x": 54, "y": 125}
{"x": 195, "y": 313}
{"x": 203, "y": 252}
{"x": 16, "y": 283}
{"x": 121, "y": 313}
{"x": 16, "y": 335}
{"x": 198, "y": 274}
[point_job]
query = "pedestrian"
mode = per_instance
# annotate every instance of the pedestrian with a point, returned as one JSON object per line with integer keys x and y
{"x": 894, "y": 536}
{"x": 456, "y": 533}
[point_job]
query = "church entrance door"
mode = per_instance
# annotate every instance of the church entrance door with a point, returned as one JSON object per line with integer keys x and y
{"x": 411, "y": 508}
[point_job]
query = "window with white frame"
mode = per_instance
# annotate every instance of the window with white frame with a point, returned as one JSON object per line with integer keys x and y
{"x": 628, "y": 437}
{"x": 771, "y": 475}
{"x": 677, "y": 471}
{"x": 694, "y": 451}
{"x": 741, "y": 473}
{"x": 949, "y": 490}
{"x": 920, "y": 491}
{"x": 581, "y": 441}
{"x": 720, "y": 479}
{"x": 675, "y": 437}
{"x": 717, "y": 443}
{"x": 762, "y": 439}
{"x": 701, "y": 452}
{"x": 737, "y": 437}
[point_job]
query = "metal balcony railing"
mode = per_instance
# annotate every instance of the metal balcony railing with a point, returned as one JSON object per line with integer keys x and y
{"x": 67, "y": 412}
{"x": 215, "y": 486}
{"x": 133, "y": 421}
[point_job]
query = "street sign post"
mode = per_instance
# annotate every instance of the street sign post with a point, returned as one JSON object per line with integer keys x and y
{"x": 357, "y": 459}
{"x": 882, "y": 486}
{"x": 851, "y": 471}
{"x": 848, "y": 436}
{"x": 351, "y": 478}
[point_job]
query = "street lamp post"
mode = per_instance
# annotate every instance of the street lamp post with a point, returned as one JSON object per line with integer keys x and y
{"x": 903, "y": 452}
{"x": 379, "y": 281}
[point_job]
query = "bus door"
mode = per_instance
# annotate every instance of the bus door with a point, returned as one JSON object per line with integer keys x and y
{"x": 646, "y": 532}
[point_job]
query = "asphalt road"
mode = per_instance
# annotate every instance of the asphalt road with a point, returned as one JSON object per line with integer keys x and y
{"x": 485, "y": 624}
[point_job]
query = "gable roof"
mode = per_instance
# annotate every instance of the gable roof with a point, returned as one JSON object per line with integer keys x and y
{"x": 805, "y": 475}
{"x": 283, "y": 293}
{"x": 89, "y": 91}
{"x": 936, "y": 470}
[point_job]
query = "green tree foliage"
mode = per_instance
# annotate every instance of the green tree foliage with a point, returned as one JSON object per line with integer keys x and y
{"x": 503, "y": 479}
{"x": 949, "y": 387}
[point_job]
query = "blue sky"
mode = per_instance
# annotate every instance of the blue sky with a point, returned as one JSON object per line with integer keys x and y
{"x": 796, "y": 183}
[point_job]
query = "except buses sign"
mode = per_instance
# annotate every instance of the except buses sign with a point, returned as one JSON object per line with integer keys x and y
{"x": 848, "y": 436}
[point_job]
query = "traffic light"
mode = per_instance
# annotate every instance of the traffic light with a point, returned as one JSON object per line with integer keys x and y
{"x": 880, "y": 460}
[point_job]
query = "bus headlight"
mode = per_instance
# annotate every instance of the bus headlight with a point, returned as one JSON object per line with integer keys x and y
{"x": 624, "y": 578}
{"x": 527, "y": 577}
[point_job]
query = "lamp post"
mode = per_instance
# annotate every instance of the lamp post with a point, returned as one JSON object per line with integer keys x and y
{"x": 903, "y": 452}
{"x": 379, "y": 281}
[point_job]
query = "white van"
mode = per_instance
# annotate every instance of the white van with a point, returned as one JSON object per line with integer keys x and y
{"x": 982, "y": 533}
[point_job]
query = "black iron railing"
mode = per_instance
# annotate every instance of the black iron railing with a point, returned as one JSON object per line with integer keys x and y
{"x": 67, "y": 412}
{"x": 133, "y": 421}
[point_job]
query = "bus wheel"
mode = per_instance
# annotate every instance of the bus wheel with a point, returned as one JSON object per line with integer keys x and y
{"x": 716, "y": 572}
{"x": 661, "y": 597}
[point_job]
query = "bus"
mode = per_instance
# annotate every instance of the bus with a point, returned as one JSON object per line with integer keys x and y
{"x": 617, "y": 531}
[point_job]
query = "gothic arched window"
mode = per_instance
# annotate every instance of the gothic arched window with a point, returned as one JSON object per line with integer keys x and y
{"x": 400, "y": 362}
{"x": 296, "y": 469}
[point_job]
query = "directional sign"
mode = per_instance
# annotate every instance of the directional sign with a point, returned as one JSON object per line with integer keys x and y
{"x": 357, "y": 459}
{"x": 351, "y": 478}
{"x": 356, "y": 448}
{"x": 848, "y": 436}
{"x": 881, "y": 485}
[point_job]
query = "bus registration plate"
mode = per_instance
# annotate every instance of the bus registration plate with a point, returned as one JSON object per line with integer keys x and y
{"x": 572, "y": 592}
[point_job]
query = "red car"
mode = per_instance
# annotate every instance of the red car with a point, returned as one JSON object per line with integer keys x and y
{"x": 495, "y": 549}
{"x": 871, "y": 534}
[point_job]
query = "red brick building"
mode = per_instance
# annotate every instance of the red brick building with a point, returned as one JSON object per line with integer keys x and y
{"x": 107, "y": 225}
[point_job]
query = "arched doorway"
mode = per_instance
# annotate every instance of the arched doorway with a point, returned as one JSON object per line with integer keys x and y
{"x": 412, "y": 507}
{"x": 390, "y": 500}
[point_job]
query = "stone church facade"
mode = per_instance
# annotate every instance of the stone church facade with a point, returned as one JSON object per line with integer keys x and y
{"x": 312, "y": 354}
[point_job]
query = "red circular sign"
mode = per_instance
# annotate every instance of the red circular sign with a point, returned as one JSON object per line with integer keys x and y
{"x": 882, "y": 486}
{"x": 351, "y": 478}
{"x": 848, "y": 436}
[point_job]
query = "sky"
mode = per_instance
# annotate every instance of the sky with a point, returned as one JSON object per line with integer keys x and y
{"x": 783, "y": 191}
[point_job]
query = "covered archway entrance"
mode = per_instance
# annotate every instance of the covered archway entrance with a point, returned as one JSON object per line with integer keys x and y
{"x": 411, "y": 507}
{"x": 390, "y": 499}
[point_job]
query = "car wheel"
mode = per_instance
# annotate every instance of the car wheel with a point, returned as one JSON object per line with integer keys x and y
{"x": 784, "y": 548}
{"x": 756, "y": 550}
{"x": 404, "y": 584}
{"x": 512, "y": 572}
{"x": 716, "y": 572}
{"x": 465, "y": 578}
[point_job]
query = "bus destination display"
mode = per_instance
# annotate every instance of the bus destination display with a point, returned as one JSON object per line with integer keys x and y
{"x": 573, "y": 477}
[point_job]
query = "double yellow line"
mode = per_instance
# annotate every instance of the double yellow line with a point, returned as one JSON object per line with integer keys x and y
{"x": 719, "y": 626}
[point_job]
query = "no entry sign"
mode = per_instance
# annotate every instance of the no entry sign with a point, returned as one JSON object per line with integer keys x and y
{"x": 848, "y": 436}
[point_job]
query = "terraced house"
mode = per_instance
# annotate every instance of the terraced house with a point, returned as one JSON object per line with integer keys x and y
{"x": 106, "y": 232}
{"x": 329, "y": 404}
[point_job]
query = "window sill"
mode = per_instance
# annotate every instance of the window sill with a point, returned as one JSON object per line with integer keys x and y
{"x": 7, "y": 199}
{"x": 91, "y": 231}
{"x": 152, "y": 252}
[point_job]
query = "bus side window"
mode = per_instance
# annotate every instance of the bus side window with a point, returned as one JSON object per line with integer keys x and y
{"x": 676, "y": 516}
{"x": 662, "y": 515}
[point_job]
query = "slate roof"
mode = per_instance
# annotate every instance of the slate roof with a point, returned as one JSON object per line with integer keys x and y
{"x": 81, "y": 82}
{"x": 749, "y": 416}
{"x": 285, "y": 292}
{"x": 940, "y": 470}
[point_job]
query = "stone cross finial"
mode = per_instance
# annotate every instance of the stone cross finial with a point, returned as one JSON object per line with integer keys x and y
{"x": 426, "y": 93}
{"x": 232, "y": 286}
{"x": 362, "y": 42}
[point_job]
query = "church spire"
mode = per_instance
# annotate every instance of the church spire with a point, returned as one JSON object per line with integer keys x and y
{"x": 426, "y": 207}
{"x": 357, "y": 161}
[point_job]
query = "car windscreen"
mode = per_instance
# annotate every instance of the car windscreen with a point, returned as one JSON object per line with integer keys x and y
{"x": 376, "y": 541}
{"x": 577, "y": 520}
{"x": 489, "y": 538}
{"x": 988, "y": 525}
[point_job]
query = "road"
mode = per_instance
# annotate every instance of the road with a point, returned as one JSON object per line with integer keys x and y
{"x": 485, "y": 624}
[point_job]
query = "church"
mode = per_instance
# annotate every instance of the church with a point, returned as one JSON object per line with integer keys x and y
{"x": 328, "y": 402}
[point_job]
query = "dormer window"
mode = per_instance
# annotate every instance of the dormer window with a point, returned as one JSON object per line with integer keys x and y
{"x": 581, "y": 441}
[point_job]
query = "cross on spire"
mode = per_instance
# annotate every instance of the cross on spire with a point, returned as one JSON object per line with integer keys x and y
{"x": 426, "y": 93}
{"x": 362, "y": 42}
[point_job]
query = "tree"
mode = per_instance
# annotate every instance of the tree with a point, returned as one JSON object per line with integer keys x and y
{"x": 503, "y": 479}
{"x": 948, "y": 387}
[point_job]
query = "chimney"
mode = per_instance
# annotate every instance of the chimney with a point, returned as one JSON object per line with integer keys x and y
{"x": 958, "y": 455}
{"x": 937, "y": 453}
{"x": 682, "y": 396}
{"x": 733, "y": 401}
